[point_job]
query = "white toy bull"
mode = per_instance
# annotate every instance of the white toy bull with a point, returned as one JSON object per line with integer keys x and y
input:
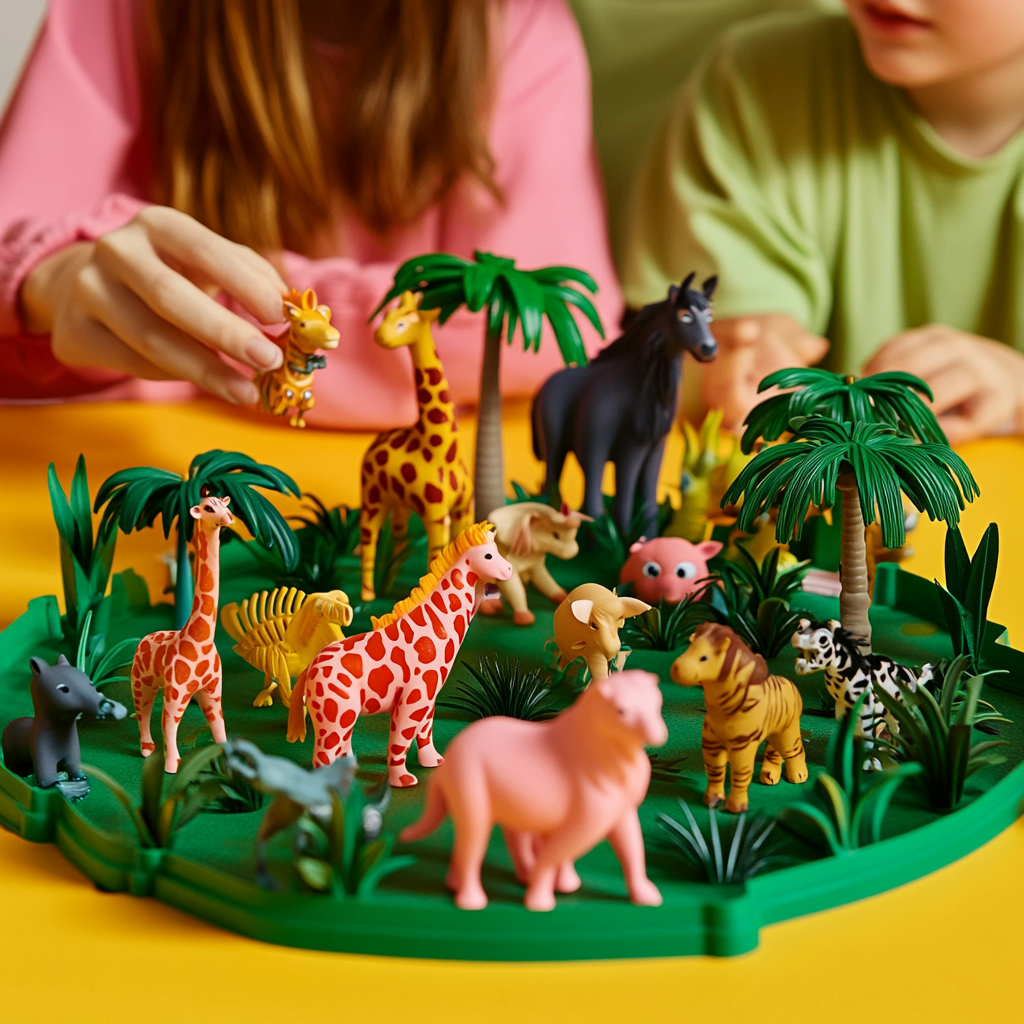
{"x": 525, "y": 533}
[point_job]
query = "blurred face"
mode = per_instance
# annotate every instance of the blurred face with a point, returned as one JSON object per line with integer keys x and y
{"x": 915, "y": 43}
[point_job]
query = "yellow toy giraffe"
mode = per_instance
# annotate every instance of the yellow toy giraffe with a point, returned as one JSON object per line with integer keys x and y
{"x": 289, "y": 388}
{"x": 419, "y": 468}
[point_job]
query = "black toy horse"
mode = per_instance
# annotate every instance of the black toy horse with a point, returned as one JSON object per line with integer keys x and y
{"x": 620, "y": 406}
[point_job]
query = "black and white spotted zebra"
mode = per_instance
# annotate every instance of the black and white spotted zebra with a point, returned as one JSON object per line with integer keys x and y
{"x": 827, "y": 647}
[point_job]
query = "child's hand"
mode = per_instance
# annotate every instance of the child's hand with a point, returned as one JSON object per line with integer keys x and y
{"x": 139, "y": 300}
{"x": 749, "y": 348}
{"x": 978, "y": 383}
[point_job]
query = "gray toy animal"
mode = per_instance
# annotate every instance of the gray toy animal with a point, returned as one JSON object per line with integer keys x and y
{"x": 298, "y": 791}
{"x": 620, "y": 406}
{"x": 47, "y": 743}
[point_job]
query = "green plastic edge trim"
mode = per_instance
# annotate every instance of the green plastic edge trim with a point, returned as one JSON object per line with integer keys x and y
{"x": 717, "y": 921}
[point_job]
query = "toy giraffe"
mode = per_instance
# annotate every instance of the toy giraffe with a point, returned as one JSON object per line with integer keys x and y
{"x": 184, "y": 663}
{"x": 419, "y": 468}
{"x": 399, "y": 667}
{"x": 289, "y": 388}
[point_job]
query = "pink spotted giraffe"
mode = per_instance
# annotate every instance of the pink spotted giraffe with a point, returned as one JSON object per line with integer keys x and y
{"x": 399, "y": 667}
{"x": 185, "y": 663}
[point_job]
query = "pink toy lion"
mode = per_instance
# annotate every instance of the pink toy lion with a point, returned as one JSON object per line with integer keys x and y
{"x": 667, "y": 567}
{"x": 556, "y": 788}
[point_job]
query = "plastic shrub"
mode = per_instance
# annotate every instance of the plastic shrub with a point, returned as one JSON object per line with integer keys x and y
{"x": 503, "y": 688}
{"x": 853, "y": 802}
{"x": 391, "y": 556}
{"x": 726, "y": 856}
{"x": 338, "y": 526}
{"x": 99, "y": 664}
{"x": 667, "y": 627}
{"x": 936, "y": 732}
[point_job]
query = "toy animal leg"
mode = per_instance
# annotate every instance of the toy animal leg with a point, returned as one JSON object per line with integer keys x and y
{"x": 425, "y": 751}
{"x": 514, "y": 592}
{"x": 741, "y": 768}
{"x": 43, "y": 760}
{"x": 628, "y": 843}
{"x": 143, "y": 695}
{"x": 546, "y": 584}
{"x": 264, "y": 698}
{"x": 472, "y": 831}
{"x": 71, "y": 756}
{"x": 402, "y": 730}
{"x": 540, "y": 893}
{"x": 790, "y": 744}
{"x": 462, "y": 510}
{"x": 647, "y": 488}
{"x": 566, "y": 878}
{"x": 369, "y": 533}
{"x": 715, "y": 760}
{"x": 439, "y": 534}
{"x": 208, "y": 698}
{"x": 173, "y": 710}
{"x": 628, "y": 464}
{"x": 771, "y": 766}
{"x": 521, "y": 850}
{"x": 592, "y": 463}
{"x": 304, "y": 403}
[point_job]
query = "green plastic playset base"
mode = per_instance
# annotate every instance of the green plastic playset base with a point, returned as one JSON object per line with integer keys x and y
{"x": 209, "y": 869}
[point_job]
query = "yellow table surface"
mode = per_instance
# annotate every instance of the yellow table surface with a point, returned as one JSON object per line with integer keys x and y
{"x": 948, "y": 947}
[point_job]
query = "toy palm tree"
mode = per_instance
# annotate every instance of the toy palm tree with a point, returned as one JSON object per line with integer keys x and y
{"x": 870, "y": 464}
{"x": 892, "y": 398}
{"x": 135, "y": 497}
{"x": 512, "y": 298}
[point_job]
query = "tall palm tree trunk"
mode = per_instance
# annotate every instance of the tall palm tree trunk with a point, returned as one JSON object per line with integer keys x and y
{"x": 489, "y": 464}
{"x": 855, "y": 596}
{"x": 183, "y": 587}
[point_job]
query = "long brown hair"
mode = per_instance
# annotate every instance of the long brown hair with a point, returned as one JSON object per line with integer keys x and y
{"x": 242, "y": 145}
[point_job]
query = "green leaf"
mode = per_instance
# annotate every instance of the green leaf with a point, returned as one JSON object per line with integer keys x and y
{"x": 979, "y": 583}
{"x": 152, "y": 786}
{"x": 146, "y": 838}
{"x": 80, "y": 509}
{"x": 62, "y": 514}
{"x": 529, "y": 303}
{"x": 839, "y": 804}
{"x": 817, "y": 818}
{"x": 315, "y": 873}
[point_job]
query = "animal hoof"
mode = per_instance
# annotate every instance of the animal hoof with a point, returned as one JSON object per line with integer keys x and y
{"x": 430, "y": 760}
{"x": 490, "y": 606}
{"x": 769, "y": 779}
{"x": 263, "y": 701}
{"x": 402, "y": 779}
{"x": 471, "y": 899}
{"x": 539, "y": 901}
{"x": 713, "y": 799}
{"x": 171, "y": 766}
{"x": 526, "y": 618}
{"x": 368, "y": 594}
{"x": 147, "y": 749}
{"x": 568, "y": 880}
{"x": 646, "y": 894}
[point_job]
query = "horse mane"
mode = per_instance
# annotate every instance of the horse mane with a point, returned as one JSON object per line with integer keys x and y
{"x": 737, "y": 657}
{"x": 471, "y": 537}
{"x": 850, "y": 643}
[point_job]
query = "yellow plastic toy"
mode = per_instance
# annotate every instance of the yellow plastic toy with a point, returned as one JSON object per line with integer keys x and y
{"x": 280, "y": 631}
{"x": 289, "y": 388}
{"x": 745, "y": 705}
{"x": 419, "y": 468}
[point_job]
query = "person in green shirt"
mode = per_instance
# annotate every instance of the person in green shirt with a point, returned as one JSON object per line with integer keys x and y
{"x": 859, "y": 180}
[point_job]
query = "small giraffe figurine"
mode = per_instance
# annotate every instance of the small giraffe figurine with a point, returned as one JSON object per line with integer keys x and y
{"x": 419, "y": 468}
{"x": 184, "y": 663}
{"x": 289, "y": 388}
{"x": 399, "y": 667}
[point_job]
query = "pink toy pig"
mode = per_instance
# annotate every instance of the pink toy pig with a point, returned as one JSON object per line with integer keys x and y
{"x": 667, "y": 567}
{"x": 556, "y": 788}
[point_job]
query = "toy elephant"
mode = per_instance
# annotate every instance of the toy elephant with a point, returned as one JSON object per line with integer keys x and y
{"x": 587, "y": 624}
{"x": 557, "y": 789}
{"x": 527, "y": 531}
{"x": 668, "y": 568}
{"x": 47, "y": 743}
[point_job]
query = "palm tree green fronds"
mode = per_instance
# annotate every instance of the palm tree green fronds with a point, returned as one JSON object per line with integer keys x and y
{"x": 893, "y": 398}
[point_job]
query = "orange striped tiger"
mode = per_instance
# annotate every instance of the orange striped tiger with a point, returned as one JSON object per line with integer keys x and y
{"x": 745, "y": 705}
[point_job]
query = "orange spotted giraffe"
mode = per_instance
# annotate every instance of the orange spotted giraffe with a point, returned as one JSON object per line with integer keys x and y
{"x": 399, "y": 667}
{"x": 419, "y": 468}
{"x": 185, "y": 663}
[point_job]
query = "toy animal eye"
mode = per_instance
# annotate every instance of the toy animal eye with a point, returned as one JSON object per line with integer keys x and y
{"x": 63, "y": 688}
{"x": 708, "y": 318}
{"x": 303, "y": 324}
{"x": 487, "y": 556}
{"x": 593, "y": 625}
{"x": 686, "y": 318}
{"x": 400, "y": 326}
{"x": 555, "y": 535}
{"x": 703, "y": 657}
{"x": 651, "y": 569}
{"x": 686, "y": 570}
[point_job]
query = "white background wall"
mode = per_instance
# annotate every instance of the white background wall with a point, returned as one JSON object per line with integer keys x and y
{"x": 19, "y": 23}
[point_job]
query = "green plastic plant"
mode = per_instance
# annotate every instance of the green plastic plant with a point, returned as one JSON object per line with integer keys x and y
{"x": 741, "y": 853}
{"x": 337, "y": 527}
{"x": 967, "y": 592}
{"x": 135, "y": 497}
{"x": 503, "y": 688}
{"x": 344, "y": 856}
{"x": 572, "y": 675}
{"x": 872, "y": 466}
{"x": 85, "y": 560}
{"x": 892, "y": 398}
{"x": 755, "y": 600}
{"x": 162, "y": 814}
{"x": 936, "y": 732}
{"x": 99, "y": 664}
{"x": 668, "y": 626}
{"x": 511, "y": 299}
{"x": 665, "y": 769}
{"x": 392, "y": 554}
{"x": 853, "y": 802}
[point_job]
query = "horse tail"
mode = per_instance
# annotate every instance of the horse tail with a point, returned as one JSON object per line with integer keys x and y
{"x": 297, "y": 711}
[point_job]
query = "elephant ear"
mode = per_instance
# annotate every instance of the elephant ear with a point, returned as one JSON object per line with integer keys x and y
{"x": 581, "y": 610}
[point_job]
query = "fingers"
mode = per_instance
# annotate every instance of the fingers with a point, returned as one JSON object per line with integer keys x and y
{"x": 983, "y": 414}
{"x": 92, "y": 344}
{"x": 155, "y": 342}
{"x": 129, "y": 257}
{"x": 951, "y": 386}
{"x": 242, "y": 273}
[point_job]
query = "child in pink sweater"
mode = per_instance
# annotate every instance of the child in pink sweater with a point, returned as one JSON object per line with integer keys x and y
{"x": 101, "y": 289}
